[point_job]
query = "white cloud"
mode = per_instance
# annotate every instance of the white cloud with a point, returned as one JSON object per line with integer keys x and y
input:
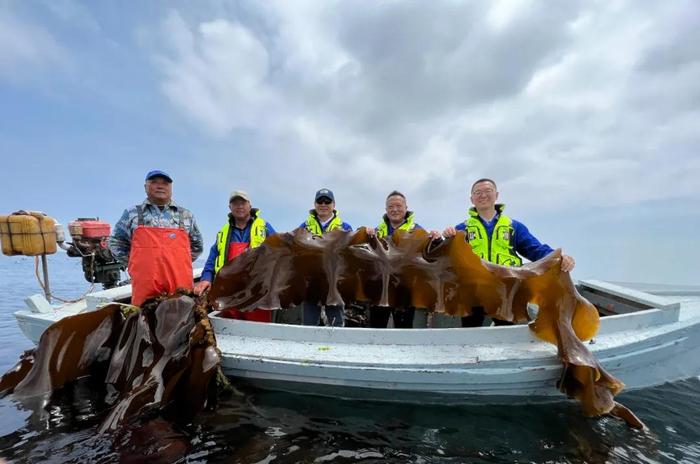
{"x": 215, "y": 73}
{"x": 27, "y": 48}
{"x": 586, "y": 113}
{"x": 587, "y": 99}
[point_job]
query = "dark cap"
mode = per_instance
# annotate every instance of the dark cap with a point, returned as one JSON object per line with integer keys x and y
{"x": 324, "y": 193}
{"x": 158, "y": 173}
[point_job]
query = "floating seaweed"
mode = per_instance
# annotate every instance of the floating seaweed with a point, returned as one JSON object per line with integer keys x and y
{"x": 142, "y": 361}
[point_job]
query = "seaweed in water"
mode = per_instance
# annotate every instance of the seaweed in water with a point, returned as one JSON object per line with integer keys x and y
{"x": 162, "y": 355}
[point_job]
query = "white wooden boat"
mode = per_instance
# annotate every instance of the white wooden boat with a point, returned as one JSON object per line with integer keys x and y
{"x": 647, "y": 337}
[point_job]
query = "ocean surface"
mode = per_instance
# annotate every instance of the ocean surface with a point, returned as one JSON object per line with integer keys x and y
{"x": 271, "y": 427}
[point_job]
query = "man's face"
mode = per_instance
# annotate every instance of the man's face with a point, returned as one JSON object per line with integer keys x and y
{"x": 324, "y": 206}
{"x": 240, "y": 209}
{"x": 159, "y": 191}
{"x": 396, "y": 208}
{"x": 484, "y": 195}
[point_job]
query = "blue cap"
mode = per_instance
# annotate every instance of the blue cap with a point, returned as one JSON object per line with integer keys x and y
{"x": 158, "y": 173}
{"x": 324, "y": 193}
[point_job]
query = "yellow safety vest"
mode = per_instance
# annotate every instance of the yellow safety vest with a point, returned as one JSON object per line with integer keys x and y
{"x": 313, "y": 226}
{"x": 499, "y": 248}
{"x": 258, "y": 233}
{"x": 408, "y": 224}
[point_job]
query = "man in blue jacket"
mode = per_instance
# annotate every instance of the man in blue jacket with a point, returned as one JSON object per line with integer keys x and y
{"x": 322, "y": 219}
{"x": 497, "y": 238}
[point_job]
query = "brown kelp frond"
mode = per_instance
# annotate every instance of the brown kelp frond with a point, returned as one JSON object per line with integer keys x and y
{"x": 161, "y": 355}
{"x": 411, "y": 270}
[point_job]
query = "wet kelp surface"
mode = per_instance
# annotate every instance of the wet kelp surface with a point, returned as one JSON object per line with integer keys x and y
{"x": 146, "y": 370}
{"x": 446, "y": 276}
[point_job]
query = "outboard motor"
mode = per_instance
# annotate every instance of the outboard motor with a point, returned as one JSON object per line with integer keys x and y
{"x": 90, "y": 243}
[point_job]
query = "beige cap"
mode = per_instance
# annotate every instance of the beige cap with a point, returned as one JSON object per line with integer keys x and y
{"x": 240, "y": 194}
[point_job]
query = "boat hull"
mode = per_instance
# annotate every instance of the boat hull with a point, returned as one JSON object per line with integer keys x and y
{"x": 643, "y": 347}
{"x": 450, "y": 365}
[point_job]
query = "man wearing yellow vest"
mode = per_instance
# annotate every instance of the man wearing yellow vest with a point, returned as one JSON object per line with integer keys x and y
{"x": 498, "y": 239}
{"x": 322, "y": 219}
{"x": 397, "y": 217}
{"x": 244, "y": 229}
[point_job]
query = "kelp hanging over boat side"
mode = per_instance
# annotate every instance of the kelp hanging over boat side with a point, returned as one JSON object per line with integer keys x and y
{"x": 412, "y": 270}
{"x": 146, "y": 360}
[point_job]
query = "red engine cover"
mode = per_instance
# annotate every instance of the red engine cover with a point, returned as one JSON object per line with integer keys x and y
{"x": 89, "y": 229}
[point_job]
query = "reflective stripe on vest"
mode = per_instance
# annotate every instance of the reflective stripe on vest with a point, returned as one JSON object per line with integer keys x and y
{"x": 408, "y": 224}
{"x": 313, "y": 226}
{"x": 499, "y": 248}
{"x": 258, "y": 233}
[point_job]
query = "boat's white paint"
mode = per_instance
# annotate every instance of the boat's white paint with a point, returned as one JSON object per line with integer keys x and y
{"x": 642, "y": 348}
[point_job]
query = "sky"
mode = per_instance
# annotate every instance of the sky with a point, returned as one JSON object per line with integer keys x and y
{"x": 587, "y": 115}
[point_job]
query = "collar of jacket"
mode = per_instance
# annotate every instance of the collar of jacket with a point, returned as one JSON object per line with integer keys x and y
{"x": 171, "y": 204}
{"x": 253, "y": 216}
{"x": 385, "y": 218}
{"x": 315, "y": 215}
{"x": 500, "y": 207}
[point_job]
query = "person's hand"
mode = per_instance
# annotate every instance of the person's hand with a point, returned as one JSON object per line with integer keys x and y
{"x": 449, "y": 232}
{"x": 201, "y": 287}
{"x": 370, "y": 231}
{"x": 435, "y": 234}
{"x": 567, "y": 263}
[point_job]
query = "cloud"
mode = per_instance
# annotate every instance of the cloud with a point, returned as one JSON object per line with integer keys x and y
{"x": 27, "y": 49}
{"x": 74, "y": 13}
{"x": 215, "y": 73}
{"x": 586, "y": 113}
{"x": 587, "y": 99}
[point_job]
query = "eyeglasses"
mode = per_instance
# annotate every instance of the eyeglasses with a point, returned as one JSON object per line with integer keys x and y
{"x": 324, "y": 201}
{"x": 478, "y": 193}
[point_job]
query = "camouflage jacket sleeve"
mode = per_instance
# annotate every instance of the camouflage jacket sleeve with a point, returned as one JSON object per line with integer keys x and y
{"x": 120, "y": 240}
{"x": 196, "y": 241}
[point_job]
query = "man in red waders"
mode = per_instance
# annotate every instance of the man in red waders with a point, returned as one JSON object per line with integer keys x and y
{"x": 157, "y": 240}
{"x": 244, "y": 229}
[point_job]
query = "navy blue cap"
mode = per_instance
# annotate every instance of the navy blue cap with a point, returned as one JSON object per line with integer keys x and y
{"x": 324, "y": 193}
{"x": 158, "y": 173}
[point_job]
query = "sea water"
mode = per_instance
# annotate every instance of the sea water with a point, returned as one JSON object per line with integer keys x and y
{"x": 258, "y": 426}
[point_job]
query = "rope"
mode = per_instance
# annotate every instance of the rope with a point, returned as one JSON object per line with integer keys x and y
{"x": 43, "y": 287}
{"x": 41, "y": 229}
{"x": 9, "y": 234}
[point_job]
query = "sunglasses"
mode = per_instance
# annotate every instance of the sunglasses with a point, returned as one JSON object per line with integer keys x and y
{"x": 324, "y": 201}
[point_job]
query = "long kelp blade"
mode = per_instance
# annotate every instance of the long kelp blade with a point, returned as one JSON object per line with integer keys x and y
{"x": 410, "y": 269}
